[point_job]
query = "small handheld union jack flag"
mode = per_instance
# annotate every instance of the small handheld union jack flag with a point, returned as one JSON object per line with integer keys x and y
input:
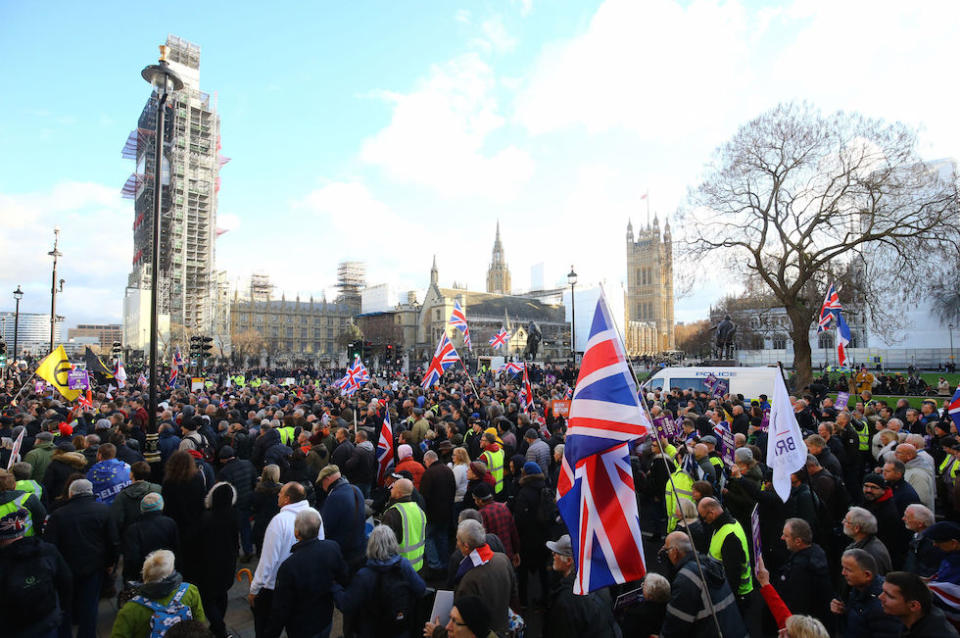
{"x": 500, "y": 339}
{"x": 458, "y": 319}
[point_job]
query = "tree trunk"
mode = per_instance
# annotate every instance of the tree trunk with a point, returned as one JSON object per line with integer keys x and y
{"x": 800, "y": 335}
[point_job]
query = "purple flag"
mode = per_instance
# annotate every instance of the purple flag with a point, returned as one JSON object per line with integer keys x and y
{"x": 755, "y": 527}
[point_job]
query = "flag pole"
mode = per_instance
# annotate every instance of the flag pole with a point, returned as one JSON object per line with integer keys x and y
{"x": 29, "y": 379}
{"x": 673, "y": 487}
{"x": 469, "y": 380}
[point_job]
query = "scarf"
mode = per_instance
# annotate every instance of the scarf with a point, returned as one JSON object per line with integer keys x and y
{"x": 479, "y": 556}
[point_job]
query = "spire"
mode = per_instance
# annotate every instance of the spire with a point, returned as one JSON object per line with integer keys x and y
{"x": 434, "y": 276}
{"x": 498, "y": 231}
{"x": 629, "y": 231}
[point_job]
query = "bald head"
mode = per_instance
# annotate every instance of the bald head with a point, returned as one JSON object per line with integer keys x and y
{"x": 709, "y": 508}
{"x": 403, "y": 487}
{"x": 905, "y": 452}
{"x": 700, "y": 450}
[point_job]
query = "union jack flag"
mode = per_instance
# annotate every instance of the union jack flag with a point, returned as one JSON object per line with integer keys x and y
{"x": 346, "y": 385}
{"x": 85, "y": 402}
{"x": 568, "y": 395}
{"x": 142, "y": 380}
{"x": 175, "y": 367}
{"x": 458, "y": 319}
{"x": 526, "y": 392}
{"x": 953, "y": 408}
{"x": 830, "y": 309}
{"x": 358, "y": 372}
{"x": 500, "y": 339}
{"x": 443, "y": 358}
{"x": 385, "y": 449}
{"x": 595, "y": 491}
{"x": 511, "y": 367}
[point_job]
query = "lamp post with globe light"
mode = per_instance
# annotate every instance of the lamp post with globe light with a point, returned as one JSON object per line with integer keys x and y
{"x": 572, "y": 280}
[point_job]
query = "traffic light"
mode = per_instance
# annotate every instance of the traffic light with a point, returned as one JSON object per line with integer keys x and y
{"x": 117, "y": 349}
{"x": 3, "y": 352}
{"x": 206, "y": 345}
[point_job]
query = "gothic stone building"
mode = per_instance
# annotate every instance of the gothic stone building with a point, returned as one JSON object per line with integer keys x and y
{"x": 648, "y": 299}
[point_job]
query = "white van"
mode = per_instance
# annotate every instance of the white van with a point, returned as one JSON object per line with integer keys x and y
{"x": 750, "y": 382}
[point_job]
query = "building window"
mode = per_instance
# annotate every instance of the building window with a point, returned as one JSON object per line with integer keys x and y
{"x": 289, "y": 332}
{"x": 274, "y": 332}
{"x": 825, "y": 341}
{"x": 779, "y": 342}
{"x": 303, "y": 333}
{"x": 329, "y": 333}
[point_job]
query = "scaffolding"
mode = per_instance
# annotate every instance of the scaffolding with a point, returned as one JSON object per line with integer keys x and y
{"x": 351, "y": 279}
{"x": 191, "y": 181}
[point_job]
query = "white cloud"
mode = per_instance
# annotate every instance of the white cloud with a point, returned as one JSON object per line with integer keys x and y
{"x": 95, "y": 240}
{"x": 439, "y": 135}
{"x": 462, "y": 16}
{"x": 648, "y": 67}
{"x": 526, "y": 6}
{"x": 496, "y": 34}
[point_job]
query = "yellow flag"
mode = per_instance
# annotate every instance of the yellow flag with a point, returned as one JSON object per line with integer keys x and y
{"x": 54, "y": 369}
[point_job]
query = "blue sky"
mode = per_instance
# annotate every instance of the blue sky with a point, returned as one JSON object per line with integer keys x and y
{"x": 390, "y": 132}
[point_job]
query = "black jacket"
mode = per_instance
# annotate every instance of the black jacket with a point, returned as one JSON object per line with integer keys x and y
{"x": 341, "y": 454}
{"x": 533, "y": 533}
{"x": 361, "y": 467}
{"x": 303, "y": 595}
{"x": 125, "y": 508}
{"x": 686, "y": 601}
{"x": 438, "y": 488}
{"x": 265, "y": 507}
{"x": 933, "y": 625}
{"x": 572, "y": 616}
{"x": 151, "y": 531}
{"x": 804, "y": 583}
{"x": 22, "y": 563}
{"x": 84, "y": 533}
{"x": 62, "y": 465}
{"x": 243, "y": 477}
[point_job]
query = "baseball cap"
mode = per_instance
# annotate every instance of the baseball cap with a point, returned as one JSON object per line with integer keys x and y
{"x": 943, "y": 531}
{"x": 561, "y": 546}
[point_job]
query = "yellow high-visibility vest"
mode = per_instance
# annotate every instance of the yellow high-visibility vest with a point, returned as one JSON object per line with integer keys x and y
{"x": 716, "y": 543}
{"x": 494, "y": 461}
{"x": 414, "y": 523}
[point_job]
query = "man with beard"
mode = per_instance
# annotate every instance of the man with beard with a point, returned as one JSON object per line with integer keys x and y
{"x": 878, "y": 500}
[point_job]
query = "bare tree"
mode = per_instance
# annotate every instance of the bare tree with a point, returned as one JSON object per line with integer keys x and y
{"x": 945, "y": 294}
{"x": 795, "y": 194}
{"x": 248, "y": 343}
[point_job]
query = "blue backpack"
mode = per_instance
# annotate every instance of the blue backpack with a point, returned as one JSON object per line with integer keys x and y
{"x": 166, "y": 616}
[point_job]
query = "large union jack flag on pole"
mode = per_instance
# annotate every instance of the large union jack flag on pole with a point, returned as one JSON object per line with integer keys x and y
{"x": 443, "y": 358}
{"x": 385, "y": 449}
{"x": 953, "y": 408}
{"x": 526, "y": 392}
{"x": 458, "y": 319}
{"x": 500, "y": 339}
{"x": 830, "y": 309}
{"x": 595, "y": 491}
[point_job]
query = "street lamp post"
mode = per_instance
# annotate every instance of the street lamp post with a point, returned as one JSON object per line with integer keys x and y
{"x": 53, "y": 284}
{"x": 17, "y": 295}
{"x": 163, "y": 80}
{"x": 572, "y": 280}
{"x": 952, "y": 360}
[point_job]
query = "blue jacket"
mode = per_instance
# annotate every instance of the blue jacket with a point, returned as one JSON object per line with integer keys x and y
{"x": 865, "y": 617}
{"x": 358, "y": 600}
{"x": 167, "y": 443}
{"x": 108, "y": 478}
{"x": 303, "y": 595}
{"x": 344, "y": 515}
{"x": 949, "y": 569}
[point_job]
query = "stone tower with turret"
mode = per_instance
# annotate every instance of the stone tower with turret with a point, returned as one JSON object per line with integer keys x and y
{"x": 498, "y": 275}
{"x": 648, "y": 298}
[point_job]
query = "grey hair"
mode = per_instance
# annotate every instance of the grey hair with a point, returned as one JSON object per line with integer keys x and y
{"x": 470, "y": 514}
{"x": 922, "y": 512}
{"x": 382, "y": 545}
{"x": 812, "y": 461}
{"x": 307, "y": 524}
{"x": 859, "y": 517}
{"x": 656, "y": 588}
{"x": 157, "y": 565}
{"x": 917, "y": 441}
{"x": 92, "y": 439}
{"x": 863, "y": 559}
{"x": 80, "y": 486}
{"x": 471, "y": 534}
{"x": 558, "y": 450}
{"x": 430, "y": 455}
{"x": 271, "y": 473}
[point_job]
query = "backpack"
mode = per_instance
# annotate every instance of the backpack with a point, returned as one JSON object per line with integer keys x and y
{"x": 166, "y": 616}
{"x": 393, "y": 595}
{"x": 547, "y": 507}
{"x": 29, "y": 591}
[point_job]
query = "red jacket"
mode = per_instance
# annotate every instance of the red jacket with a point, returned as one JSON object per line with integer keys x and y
{"x": 415, "y": 469}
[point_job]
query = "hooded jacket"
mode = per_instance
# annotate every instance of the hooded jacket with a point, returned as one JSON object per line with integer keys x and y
{"x": 360, "y": 595}
{"x": 572, "y": 616}
{"x": 62, "y": 465}
{"x": 125, "y": 508}
{"x": 133, "y": 619}
{"x": 21, "y": 562}
{"x": 687, "y": 616}
{"x": 39, "y": 458}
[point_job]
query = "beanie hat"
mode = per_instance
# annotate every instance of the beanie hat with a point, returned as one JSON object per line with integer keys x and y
{"x": 102, "y": 424}
{"x": 876, "y": 479}
{"x": 475, "y": 614}
{"x": 14, "y": 524}
{"x": 404, "y": 451}
{"x": 531, "y": 468}
{"x": 66, "y": 429}
{"x": 154, "y": 506}
{"x": 483, "y": 491}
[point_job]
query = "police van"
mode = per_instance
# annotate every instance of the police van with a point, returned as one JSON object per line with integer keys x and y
{"x": 750, "y": 382}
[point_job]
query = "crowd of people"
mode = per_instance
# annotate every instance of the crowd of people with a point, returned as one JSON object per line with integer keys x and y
{"x": 280, "y": 485}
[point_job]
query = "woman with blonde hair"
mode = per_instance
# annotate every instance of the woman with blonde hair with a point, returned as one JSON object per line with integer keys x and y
{"x": 459, "y": 465}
